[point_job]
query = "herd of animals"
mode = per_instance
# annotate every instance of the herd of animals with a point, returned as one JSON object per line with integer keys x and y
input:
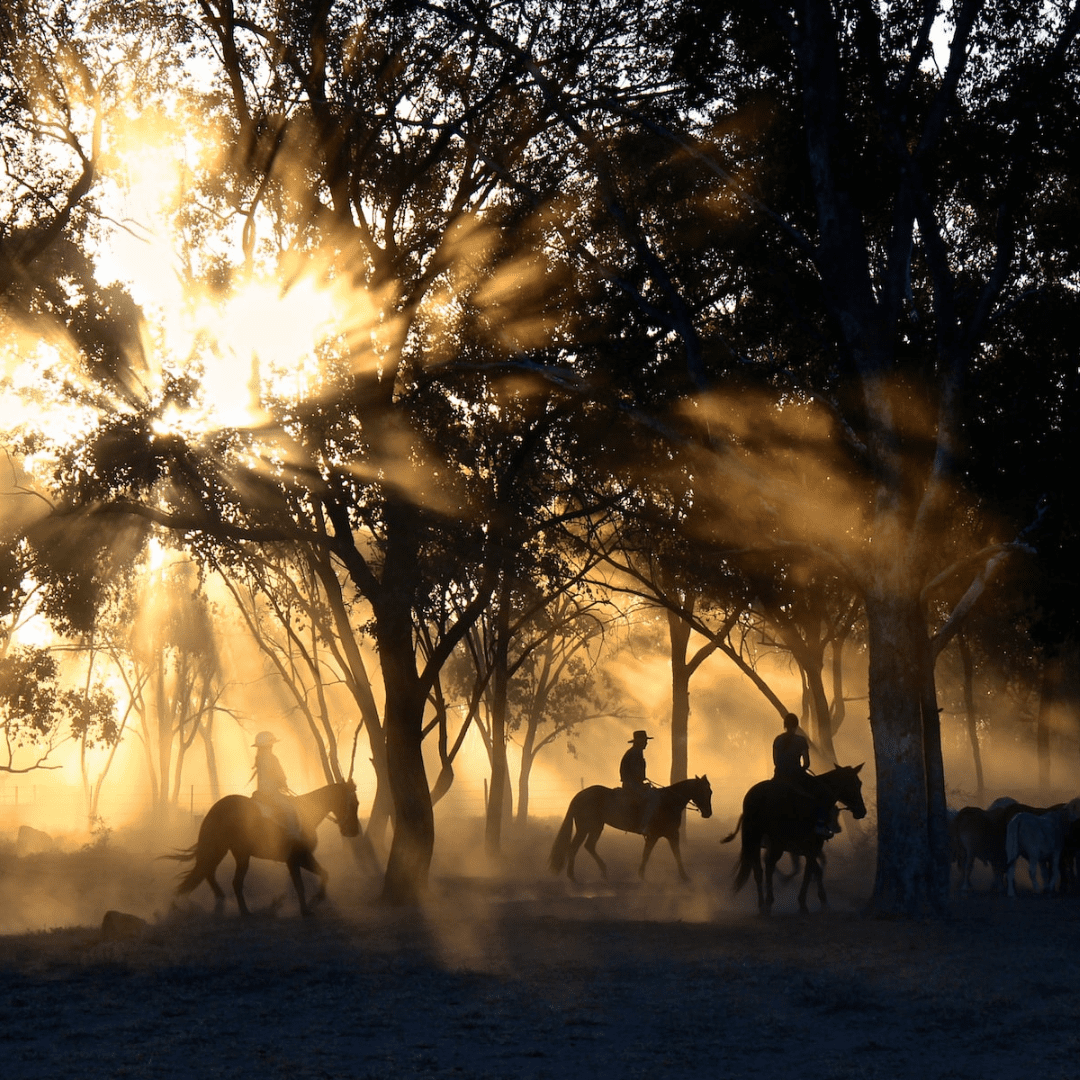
{"x": 777, "y": 818}
{"x": 1047, "y": 838}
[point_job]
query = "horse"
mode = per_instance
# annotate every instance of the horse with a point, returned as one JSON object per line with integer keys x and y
{"x": 237, "y": 823}
{"x": 594, "y": 807}
{"x": 980, "y": 835}
{"x": 778, "y": 817}
{"x": 1039, "y": 838}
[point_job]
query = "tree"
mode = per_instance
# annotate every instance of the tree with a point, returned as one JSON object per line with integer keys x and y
{"x": 560, "y": 683}
{"x": 750, "y": 265}
{"x": 380, "y": 147}
{"x": 900, "y": 272}
{"x": 171, "y": 666}
{"x": 293, "y": 605}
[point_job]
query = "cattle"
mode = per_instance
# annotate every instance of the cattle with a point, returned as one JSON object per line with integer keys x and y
{"x": 979, "y": 834}
{"x": 1039, "y": 838}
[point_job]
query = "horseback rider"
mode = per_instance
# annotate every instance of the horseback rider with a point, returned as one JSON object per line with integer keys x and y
{"x": 791, "y": 764}
{"x": 633, "y": 779}
{"x": 271, "y": 786}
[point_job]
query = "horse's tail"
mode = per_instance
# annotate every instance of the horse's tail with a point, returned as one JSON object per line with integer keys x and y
{"x": 194, "y": 876}
{"x": 734, "y": 832}
{"x": 743, "y": 868}
{"x": 749, "y": 855}
{"x": 560, "y": 850}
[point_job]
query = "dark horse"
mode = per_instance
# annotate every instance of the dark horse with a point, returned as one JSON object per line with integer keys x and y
{"x": 594, "y": 807}
{"x": 238, "y": 824}
{"x": 779, "y": 817}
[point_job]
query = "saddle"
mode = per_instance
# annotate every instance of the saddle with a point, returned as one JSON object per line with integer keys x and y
{"x": 826, "y": 812}
{"x": 631, "y": 805}
{"x": 273, "y": 810}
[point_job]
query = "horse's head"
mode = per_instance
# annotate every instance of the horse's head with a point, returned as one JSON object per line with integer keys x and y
{"x": 844, "y": 781}
{"x": 701, "y": 795}
{"x": 346, "y": 805}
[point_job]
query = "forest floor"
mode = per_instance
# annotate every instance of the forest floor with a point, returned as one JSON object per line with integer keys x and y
{"x": 522, "y": 975}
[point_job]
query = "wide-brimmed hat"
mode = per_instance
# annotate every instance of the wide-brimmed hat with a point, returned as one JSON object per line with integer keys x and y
{"x": 264, "y": 738}
{"x": 641, "y": 735}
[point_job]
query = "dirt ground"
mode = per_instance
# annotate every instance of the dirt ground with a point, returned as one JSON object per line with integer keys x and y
{"x": 520, "y": 975}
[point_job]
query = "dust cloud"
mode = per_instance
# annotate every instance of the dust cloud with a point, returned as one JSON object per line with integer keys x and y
{"x": 84, "y": 867}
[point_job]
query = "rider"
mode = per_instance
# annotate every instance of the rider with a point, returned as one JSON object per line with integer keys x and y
{"x": 632, "y": 776}
{"x": 271, "y": 787}
{"x": 791, "y": 760}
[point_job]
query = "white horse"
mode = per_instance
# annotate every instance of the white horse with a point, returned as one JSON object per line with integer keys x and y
{"x": 1039, "y": 838}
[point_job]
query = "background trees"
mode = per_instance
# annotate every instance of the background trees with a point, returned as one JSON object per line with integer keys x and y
{"x": 751, "y": 282}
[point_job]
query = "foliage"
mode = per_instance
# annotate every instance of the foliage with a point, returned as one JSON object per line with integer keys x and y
{"x": 37, "y": 713}
{"x": 768, "y": 280}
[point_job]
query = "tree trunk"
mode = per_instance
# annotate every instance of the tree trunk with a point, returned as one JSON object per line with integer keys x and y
{"x": 414, "y": 824}
{"x": 679, "y": 636}
{"x": 360, "y": 687}
{"x": 523, "y": 785}
{"x": 813, "y": 669}
{"x": 838, "y": 709}
{"x": 1042, "y": 726}
{"x": 969, "y": 713}
{"x": 500, "y": 683}
{"x": 907, "y": 748}
{"x": 207, "y": 733}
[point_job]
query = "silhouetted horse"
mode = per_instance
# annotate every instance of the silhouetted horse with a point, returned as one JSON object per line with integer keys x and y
{"x": 778, "y": 817}
{"x": 238, "y": 824}
{"x": 594, "y": 807}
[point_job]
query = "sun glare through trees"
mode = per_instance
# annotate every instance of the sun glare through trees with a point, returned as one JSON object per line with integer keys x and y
{"x": 450, "y": 389}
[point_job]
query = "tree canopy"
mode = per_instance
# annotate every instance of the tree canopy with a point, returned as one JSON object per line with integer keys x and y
{"x": 780, "y": 284}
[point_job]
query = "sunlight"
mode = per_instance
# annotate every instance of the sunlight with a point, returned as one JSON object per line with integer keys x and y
{"x": 252, "y": 339}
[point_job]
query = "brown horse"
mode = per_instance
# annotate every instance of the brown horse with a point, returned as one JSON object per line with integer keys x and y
{"x": 238, "y": 824}
{"x": 778, "y": 817}
{"x": 594, "y": 807}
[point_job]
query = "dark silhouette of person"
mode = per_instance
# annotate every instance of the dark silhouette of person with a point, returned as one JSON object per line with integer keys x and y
{"x": 633, "y": 778}
{"x": 791, "y": 762}
{"x": 271, "y": 786}
{"x": 791, "y": 753}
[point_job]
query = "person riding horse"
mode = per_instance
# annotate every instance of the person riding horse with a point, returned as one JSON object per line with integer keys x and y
{"x": 791, "y": 762}
{"x": 633, "y": 778}
{"x": 271, "y": 786}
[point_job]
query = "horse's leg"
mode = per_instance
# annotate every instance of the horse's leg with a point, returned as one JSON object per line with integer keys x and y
{"x": 673, "y": 842}
{"x": 293, "y": 863}
{"x": 755, "y": 865}
{"x": 309, "y": 863}
{"x": 650, "y": 843}
{"x": 771, "y": 859}
{"x": 813, "y": 872}
{"x": 210, "y": 876}
{"x": 575, "y": 844}
{"x": 590, "y": 847}
{"x": 242, "y": 860}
